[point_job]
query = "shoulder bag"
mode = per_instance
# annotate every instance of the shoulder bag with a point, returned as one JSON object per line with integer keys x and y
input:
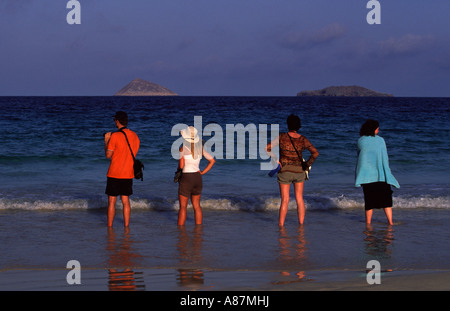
{"x": 305, "y": 167}
{"x": 138, "y": 166}
{"x": 177, "y": 176}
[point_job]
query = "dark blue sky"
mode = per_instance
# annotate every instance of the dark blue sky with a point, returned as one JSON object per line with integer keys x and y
{"x": 224, "y": 47}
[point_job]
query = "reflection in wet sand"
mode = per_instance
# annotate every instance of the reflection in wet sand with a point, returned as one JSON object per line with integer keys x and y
{"x": 379, "y": 243}
{"x": 292, "y": 253}
{"x": 190, "y": 256}
{"x": 122, "y": 259}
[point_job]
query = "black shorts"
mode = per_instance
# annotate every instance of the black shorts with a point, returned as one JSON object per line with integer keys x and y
{"x": 190, "y": 184}
{"x": 377, "y": 195}
{"x": 116, "y": 187}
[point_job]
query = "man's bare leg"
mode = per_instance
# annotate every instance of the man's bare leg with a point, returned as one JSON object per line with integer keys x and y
{"x": 126, "y": 209}
{"x": 111, "y": 209}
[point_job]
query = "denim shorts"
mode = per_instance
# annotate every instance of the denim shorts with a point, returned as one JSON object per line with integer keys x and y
{"x": 288, "y": 178}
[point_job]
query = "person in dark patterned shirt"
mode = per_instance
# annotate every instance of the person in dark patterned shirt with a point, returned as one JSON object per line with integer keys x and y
{"x": 293, "y": 168}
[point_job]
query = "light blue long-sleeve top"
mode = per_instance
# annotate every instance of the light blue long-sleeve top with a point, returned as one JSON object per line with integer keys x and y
{"x": 373, "y": 162}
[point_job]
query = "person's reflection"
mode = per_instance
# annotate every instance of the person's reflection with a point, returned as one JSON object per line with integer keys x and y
{"x": 292, "y": 255}
{"x": 378, "y": 242}
{"x": 190, "y": 257}
{"x": 121, "y": 260}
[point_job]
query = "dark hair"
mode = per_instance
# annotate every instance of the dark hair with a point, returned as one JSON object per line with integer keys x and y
{"x": 122, "y": 117}
{"x": 368, "y": 128}
{"x": 293, "y": 123}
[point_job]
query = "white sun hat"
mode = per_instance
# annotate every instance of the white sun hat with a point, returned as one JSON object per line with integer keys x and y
{"x": 190, "y": 134}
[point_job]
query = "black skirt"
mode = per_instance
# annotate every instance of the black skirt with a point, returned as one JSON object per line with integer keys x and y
{"x": 377, "y": 195}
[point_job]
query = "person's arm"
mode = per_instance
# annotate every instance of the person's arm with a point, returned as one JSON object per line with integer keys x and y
{"x": 211, "y": 162}
{"x": 313, "y": 151}
{"x": 108, "y": 153}
{"x": 181, "y": 161}
{"x": 269, "y": 151}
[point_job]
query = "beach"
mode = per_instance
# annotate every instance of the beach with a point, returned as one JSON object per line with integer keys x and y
{"x": 225, "y": 281}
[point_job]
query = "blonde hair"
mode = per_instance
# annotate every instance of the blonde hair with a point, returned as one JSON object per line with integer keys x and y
{"x": 196, "y": 149}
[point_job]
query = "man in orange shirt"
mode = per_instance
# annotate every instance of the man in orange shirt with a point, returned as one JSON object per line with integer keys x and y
{"x": 120, "y": 173}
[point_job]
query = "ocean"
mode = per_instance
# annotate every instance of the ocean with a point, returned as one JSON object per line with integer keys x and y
{"x": 53, "y": 178}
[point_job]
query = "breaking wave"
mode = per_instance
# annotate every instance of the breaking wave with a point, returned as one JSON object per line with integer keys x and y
{"x": 266, "y": 204}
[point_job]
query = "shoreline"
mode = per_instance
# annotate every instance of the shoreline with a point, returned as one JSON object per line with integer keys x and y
{"x": 182, "y": 280}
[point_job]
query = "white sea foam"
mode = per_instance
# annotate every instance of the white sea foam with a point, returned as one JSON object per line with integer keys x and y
{"x": 267, "y": 204}
{"x": 6, "y": 204}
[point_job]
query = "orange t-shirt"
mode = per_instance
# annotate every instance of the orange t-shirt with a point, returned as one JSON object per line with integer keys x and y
{"x": 121, "y": 165}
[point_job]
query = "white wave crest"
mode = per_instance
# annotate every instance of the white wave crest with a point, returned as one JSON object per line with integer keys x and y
{"x": 33, "y": 205}
{"x": 256, "y": 204}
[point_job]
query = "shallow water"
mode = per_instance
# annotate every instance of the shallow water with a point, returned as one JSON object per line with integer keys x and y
{"x": 226, "y": 241}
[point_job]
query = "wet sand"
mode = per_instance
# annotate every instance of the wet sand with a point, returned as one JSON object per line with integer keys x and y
{"x": 180, "y": 280}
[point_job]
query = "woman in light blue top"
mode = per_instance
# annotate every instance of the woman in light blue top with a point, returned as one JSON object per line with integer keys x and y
{"x": 373, "y": 172}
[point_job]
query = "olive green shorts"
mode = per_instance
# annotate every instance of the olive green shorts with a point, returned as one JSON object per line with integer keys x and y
{"x": 288, "y": 178}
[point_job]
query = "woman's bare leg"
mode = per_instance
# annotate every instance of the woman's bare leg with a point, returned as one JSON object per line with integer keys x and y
{"x": 298, "y": 188}
{"x": 388, "y": 212}
{"x": 284, "y": 193}
{"x": 369, "y": 216}
{"x": 183, "y": 209}
{"x": 198, "y": 214}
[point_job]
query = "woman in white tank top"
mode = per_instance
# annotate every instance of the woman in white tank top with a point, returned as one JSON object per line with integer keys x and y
{"x": 191, "y": 182}
{"x": 191, "y": 165}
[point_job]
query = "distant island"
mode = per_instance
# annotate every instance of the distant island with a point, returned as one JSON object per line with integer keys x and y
{"x": 139, "y": 87}
{"x": 356, "y": 91}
